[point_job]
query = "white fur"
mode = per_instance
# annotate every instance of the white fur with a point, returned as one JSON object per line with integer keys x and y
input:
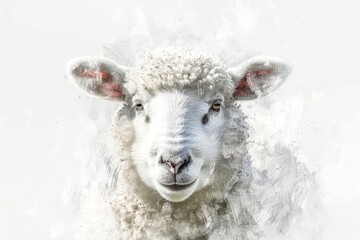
{"x": 229, "y": 196}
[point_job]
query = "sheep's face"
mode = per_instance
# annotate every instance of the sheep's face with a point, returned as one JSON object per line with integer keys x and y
{"x": 177, "y": 140}
{"x": 178, "y": 117}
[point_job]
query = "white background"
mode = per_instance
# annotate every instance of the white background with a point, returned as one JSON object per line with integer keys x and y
{"x": 44, "y": 119}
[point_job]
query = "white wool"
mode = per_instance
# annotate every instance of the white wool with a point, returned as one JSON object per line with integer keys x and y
{"x": 177, "y": 68}
{"x": 245, "y": 202}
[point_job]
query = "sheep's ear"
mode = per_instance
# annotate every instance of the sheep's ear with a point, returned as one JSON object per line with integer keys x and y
{"x": 98, "y": 76}
{"x": 258, "y": 76}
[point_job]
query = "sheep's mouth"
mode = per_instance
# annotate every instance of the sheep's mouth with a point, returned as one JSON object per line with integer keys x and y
{"x": 178, "y": 187}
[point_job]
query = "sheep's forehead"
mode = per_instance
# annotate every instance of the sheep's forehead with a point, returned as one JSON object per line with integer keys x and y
{"x": 181, "y": 70}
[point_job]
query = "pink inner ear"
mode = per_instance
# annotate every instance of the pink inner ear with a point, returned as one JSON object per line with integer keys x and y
{"x": 106, "y": 87}
{"x": 104, "y": 76}
{"x": 111, "y": 90}
{"x": 243, "y": 89}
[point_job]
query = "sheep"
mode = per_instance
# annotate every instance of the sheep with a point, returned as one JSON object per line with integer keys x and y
{"x": 179, "y": 153}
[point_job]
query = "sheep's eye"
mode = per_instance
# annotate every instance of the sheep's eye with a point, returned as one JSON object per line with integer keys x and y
{"x": 139, "y": 107}
{"x": 216, "y": 105}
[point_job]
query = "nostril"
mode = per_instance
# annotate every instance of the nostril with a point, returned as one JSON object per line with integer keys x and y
{"x": 186, "y": 160}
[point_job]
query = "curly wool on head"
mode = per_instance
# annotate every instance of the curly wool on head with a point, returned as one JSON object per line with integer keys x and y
{"x": 179, "y": 69}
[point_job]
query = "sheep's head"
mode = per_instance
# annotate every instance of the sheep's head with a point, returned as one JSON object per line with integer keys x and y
{"x": 178, "y": 104}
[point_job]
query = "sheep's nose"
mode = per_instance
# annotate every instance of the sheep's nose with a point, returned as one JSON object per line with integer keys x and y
{"x": 175, "y": 167}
